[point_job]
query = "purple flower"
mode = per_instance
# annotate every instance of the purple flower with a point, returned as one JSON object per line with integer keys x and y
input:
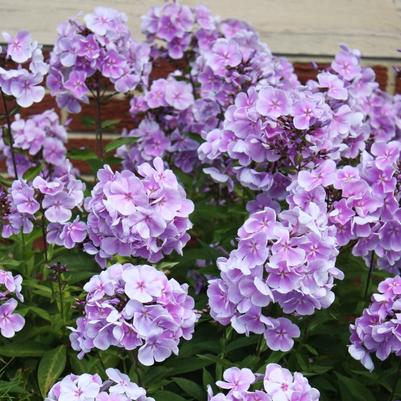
{"x": 145, "y": 216}
{"x": 101, "y": 20}
{"x": 346, "y": 64}
{"x": 134, "y": 307}
{"x": 143, "y": 283}
{"x": 156, "y": 349}
{"x": 83, "y": 389}
{"x": 178, "y": 94}
{"x": 101, "y": 46}
{"x": 76, "y": 84}
{"x": 386, "y": 154}
{"x": 279, "y": 385}
{"x": 237, "y": 380}
{"x": 278, "y": 382}
{"x": 283, "y": 278}
{"x": 58, "y": 207}
{"x": 24, "y": 88}
{"x": 46, "y": 187}
{"x": 10, "y": 322}
{"x": 322, "y": 175}
{"x": 19, "y": 47}
{"x": 253, "y": 250}
{"x": 272, "y": 103}
{"x": 280, "y": 336}
{"x": 285, "y": 250}
{"x": 224, "y": 53}
{"x": 334, "y": 85}
{"x": 390, "y": 236}
{"x": 23, "y": 197}
{"x": 303, "y": 112}
{"x": 377, "y": 330}
{"x": 73, "y": 233}
{"x": 124, "y": 385}
{"x": 112, "y": 65}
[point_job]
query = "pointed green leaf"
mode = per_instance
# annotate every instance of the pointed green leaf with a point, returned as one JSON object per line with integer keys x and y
{"x": 120, "y": 142}
{"x": 50, "y": 368}
{"x": 23, "y": 350}
{"x": 190, "y": 388}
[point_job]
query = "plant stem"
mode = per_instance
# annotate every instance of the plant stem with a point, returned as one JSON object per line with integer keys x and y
{"x": 43, "y": 224}
{"x": 98, "y": 122}
{"x": 61, "y": 299}
{"x": 396, "y": 382}
{"x": 259, "y": 346}
{"x": 369, "y": 279}
{"x": 137, "y": 367}
{"x": 10, "y": 135}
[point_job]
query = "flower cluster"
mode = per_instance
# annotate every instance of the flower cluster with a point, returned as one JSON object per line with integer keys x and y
{"x": 174, "y": 24}
{"x": 135, "y": 307}
{"x": 286, "y": 258}
{"x": 38, "y": 138}
{"x": 101, "y": 47}
{"x": 23, "y": 69}
{"x": 10, "y": 286}
{"x": 56, "y": 199}
{"x": 377, "y": 331}
{"x": 144, "y": 215}
{"x": 274, "y": 126}
{"x": 167, "y": 105}
{"x": 224, "y": 58}
{"x": 87, "y": 387}
{"x": 368, "y": 210}
{"x": 279, "y": 384}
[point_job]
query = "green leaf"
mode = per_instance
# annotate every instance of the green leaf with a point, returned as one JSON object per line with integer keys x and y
{"x": 190, "y": 387}
{"x": 241, "y": 342}
{"x": 354, "y": 388}
{"x": 50, "y": 368}
{"x": 39, "y": 289}
{"x": 168, "y": 396}
{"x": 207, "y": 379}
{"x": 13, "y": 387}
{"x": 23, "y": 350}
{"x": 37, "y": 311}
{"x": 196, "y": 137}
{"x": 186, "y": 365}
{"x": 311, "y": 349}
{"x": 31, "y": 173}
{"x": 167, "y": 265}
{"x": 82, "y": 154}
{"x": 76, "y": 261}
{"x": 87, "y": 365}
{"x": 155, "y": 374}
{"x": 10, "y": 262}
{"x": 88, "y": 121}
{"x": 119, "y": 142}
{"x": 110, "y": 123}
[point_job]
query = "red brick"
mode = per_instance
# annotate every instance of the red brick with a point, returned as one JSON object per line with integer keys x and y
{"x": 381, "y": 75}
{"x": 113, "y": 109}
{"x": 398, "y": 84}
{"x": 48, "y": 102}
{"x": 307, "y": 71}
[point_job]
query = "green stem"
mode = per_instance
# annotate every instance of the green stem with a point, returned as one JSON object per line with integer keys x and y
{"x": 259, "y": 346}
{"x": 397, "y": 378}
{"x": 10, "y": 135}
{"x": 98, "y": 122}
{"x": 134, "y": 359}
{"x": 43, "y": 226}
{"x": 60, "y": 290}
{"x": 369, "y": 279}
